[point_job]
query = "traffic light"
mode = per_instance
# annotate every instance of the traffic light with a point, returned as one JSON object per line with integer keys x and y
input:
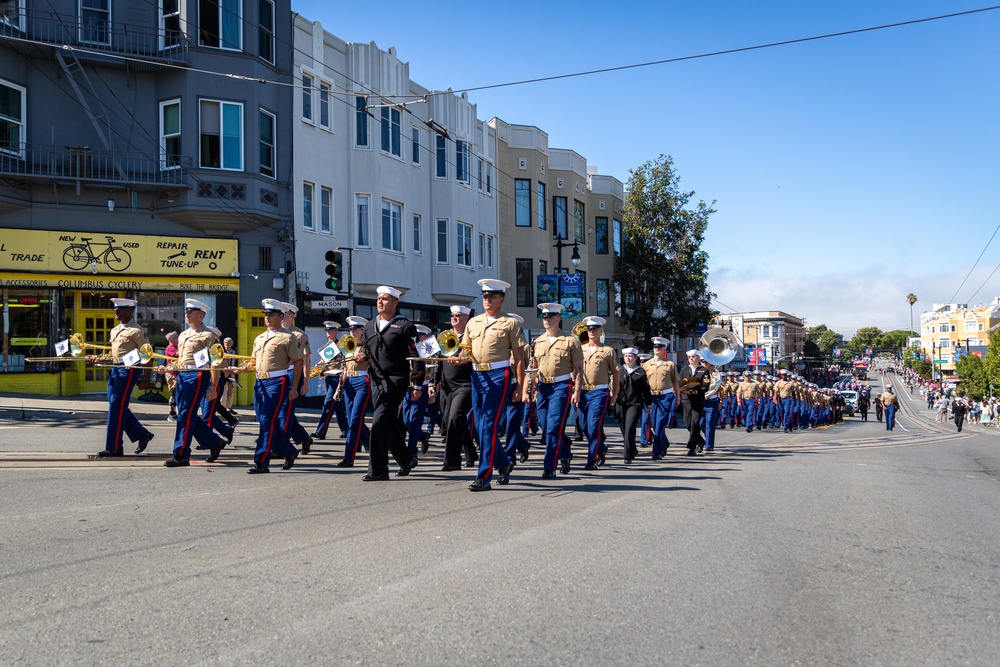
{"x": 335, "y": 270}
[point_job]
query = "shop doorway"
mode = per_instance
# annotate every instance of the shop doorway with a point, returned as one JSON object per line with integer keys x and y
{"x": 93, "y": 318}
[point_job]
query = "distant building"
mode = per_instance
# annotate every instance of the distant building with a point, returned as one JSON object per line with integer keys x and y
{"x": 779, "y": 335}
{"x": 953, "y": 329}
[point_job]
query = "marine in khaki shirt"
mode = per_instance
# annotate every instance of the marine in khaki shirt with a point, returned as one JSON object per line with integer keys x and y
{"x": 274, "y": 351}
{"x": 555, "y": 356}
{"x": 662, "y": 374}
{"x": 191, "y": 340}
{"x": 492, "y": 339}
{"x": 747, "y": 390}
{"x": 125, "y": 338}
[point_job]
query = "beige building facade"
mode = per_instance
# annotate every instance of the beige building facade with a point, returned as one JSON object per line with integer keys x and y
{"x": 950, "y": 327}
{"x": 782, "y": 336}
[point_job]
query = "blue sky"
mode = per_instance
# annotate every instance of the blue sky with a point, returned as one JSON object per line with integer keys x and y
{"x": 846, "y": 172}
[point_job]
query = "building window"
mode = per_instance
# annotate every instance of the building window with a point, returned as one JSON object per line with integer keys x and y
{"x": 524, "y": 282}
{"x": 95, "y": 21}
{"x": 221, "y": 135}
{"x": 392, "y": 226}
{"x": 361, "y": 121}
{"x": 264, "y": 258}
{"x": 489, "y": 252}
{"x": 462, "y": 161}
{"x": 442, "y": 157}
{"x": 601, "y": 235}
{"x": 364, "y": 230}
{"x": 325, "y": 210}
{"x": 579, "y": 222}
{"x": 583, "y": 281}
{"x": 417, "y": 247}
{"x": 170, "y": 133}
{"x": 220, "y": 23}
{"x": 11, "y": 13}
{"x": 415, "y": 145}
{"x": 267, "y": 125}
{"x": 603, "y": 306}
{"x": 307, "y": 205}
{"x": 944, "y": 343}
{"x": 971, "y": 326}
{"x": 543, "y": 267}
{"x": 559, "y": 212}
{"x": 479, "y": 173}
{"x": 463, "y": 244}
{"x": 390, "y": 131}
{"x": 442, "y": 241}
{"x": 540, "y": 205}
{"x": 324, "y": 105}
{"x": 522, "y": 202}
{"x": 617, "y": 239}
{"x": 265, "y": 30}
{"x": 307, "y": 97}
{"x": 489, "y": 179}
{"x": 171, "y": 12}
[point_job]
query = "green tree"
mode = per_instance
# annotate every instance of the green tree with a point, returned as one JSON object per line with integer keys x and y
{"x": 991, "y": 363}
{"x": 911, "y": 299}
{"x": 662, "y": 272}
{"x": 825, "y": 339}
{"x": 865, "y": 337}
{"x": 972, "y": 372}
{"x": 894, "y": 339}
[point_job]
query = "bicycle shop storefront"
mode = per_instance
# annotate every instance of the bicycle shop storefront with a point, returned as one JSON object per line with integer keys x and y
{"x": 54, "y": 284}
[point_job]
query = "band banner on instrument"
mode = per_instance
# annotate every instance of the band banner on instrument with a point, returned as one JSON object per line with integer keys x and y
{"x": 428, "y": 348}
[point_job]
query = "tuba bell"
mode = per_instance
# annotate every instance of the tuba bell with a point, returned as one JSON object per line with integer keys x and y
{"x": 449, "y": 342}
{"x": 719, "y": 346}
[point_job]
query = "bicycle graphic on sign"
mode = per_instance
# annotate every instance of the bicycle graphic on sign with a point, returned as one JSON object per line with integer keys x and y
{"x": 79, "y": 256}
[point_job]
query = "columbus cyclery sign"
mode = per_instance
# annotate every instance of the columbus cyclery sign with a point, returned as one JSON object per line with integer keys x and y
{"x": 95, "y": 253}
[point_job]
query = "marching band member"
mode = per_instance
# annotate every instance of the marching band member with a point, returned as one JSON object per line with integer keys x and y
{"x": 746, "y": 394}
{"x": 355, "y": 390}
{"x": 332, "y": 378}
{"x": 456, "y": 389}
{"x": 126, "y": 337}
{"x": 514, "y": 412}
{"x": 633, "y": 395}
{"x": 599, "y": 373}
{"x": 663, "y": 387}
{"x": 415, "y": 409}
{"x": 209, "y": 407}
{"x": 276, "y": 353}
{"x": 693, "y": 402}
{"x": 558, "y": 359}
{"x": 289, "y": 421}
{"x": 192, "y": 386}
{"x": 493, "y": 340}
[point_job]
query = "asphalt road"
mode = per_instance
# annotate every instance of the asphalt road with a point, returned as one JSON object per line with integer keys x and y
{"x": 846, "y": 545}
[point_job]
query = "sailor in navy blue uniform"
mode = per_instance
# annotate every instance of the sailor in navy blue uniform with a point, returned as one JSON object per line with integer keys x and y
{"x": 415, "y": 409}
{"x": 332, "y": 379}
{"x": 355, "y": 392}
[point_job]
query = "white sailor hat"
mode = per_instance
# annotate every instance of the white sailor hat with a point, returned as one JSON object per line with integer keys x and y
{"x": 356, "y": 321}
{"x": 194, "y": 304}
{"x": 550, "y": 307}
{"x": 693, "y": 353}
{"x": 391, "y": 291}
{"x": 290, "y": 307}
{"x": 425, "y": 330}
{"x": 216, "y": 330}
{"x": 630, "y": 350}
{"x": 492, "y": 285}
{"x": 123, "y": 303}
{"x": 331, "y": 325}
{"x": 517, "y": 318}
{"x": 464, "y": 310}
{"x": 594, "y": 321}
{"x": 660, "y": 342}
{"x": 272, "y": 305}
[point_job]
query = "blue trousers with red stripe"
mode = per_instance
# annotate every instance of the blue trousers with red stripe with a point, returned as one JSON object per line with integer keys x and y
{"x": 208, "y": 410}
{"x": 120, "y": 418}
{"x": 356, "y": 393}
{"x": 331, "y": 408}
{"x": 191, "y": 389}
{"x": 270, "y": 397}
{"x": 513, "y": 418}
{"x": 490, "y": 390}
{"x": 553, "y": 410}
{"x": 289, "y": 422}
{"x": 594, "y": 407}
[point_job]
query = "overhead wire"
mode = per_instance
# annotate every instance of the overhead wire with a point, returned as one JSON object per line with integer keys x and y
{"x": 976, "y": 263}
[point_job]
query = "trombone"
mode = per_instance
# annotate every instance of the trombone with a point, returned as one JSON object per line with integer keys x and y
{"x": 334, "y": 356}
{"x": 217, "y": 356}
{"x": 76, "y": 350}
{"x": 580, "y": 331}
{"x": 146, "y": 355}
{"x": 450, "y": 344}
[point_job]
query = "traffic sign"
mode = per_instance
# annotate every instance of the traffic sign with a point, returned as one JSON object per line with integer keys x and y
{"x": 331, "y": 304}
{"x": 939, "y": 361}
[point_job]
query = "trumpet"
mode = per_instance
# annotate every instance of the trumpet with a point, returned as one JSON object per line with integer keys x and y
{"x": 450, "y": 345}
{"x": 146, "y": 354}
{"x": 217, "y": 356}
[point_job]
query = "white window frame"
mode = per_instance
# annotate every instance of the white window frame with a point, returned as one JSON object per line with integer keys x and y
{"x": 163, "y": 134}
{"x": 107, "y": 22}
{"x": 273, "y": 147}
{"x": 441, "y": 227}
{"x": 239, "y": 31}
{"x": 324, "y": 99}
{"x": 415, "y": 145}
{"x": 308, "y": 116}
{"x": 180, "y": 14}
{"x": 361, "y": 114}
{"x": 440, "y": 148}
{"x": 394, "y": 242}
{"x": 19, "y": 24}
{"x": 463, "y": 173}
{"x": 972, "y": 326}
{"x": 394, "y": 148}
{"x": 222, "y": 104}
{"x": 22, "y": 123}
{"x": 418, "y": 241}
{"x": 326, "y": 210}
{"x": 482, "y": 250}
{"x": 308, "y": 206}
{"x": 363, "y": 219}
{"x": 944, "y": 343}
{"x": 465, "y": 227}
{"x": 489, "y": 251}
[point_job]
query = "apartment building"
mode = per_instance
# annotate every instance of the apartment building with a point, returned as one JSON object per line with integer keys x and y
{"x": 769, "y": 338}
{"x": 950, "y": 329}
{"x": 140, "y": 157}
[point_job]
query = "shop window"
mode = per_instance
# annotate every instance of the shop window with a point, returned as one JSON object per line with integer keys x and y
{"x": 30, "y": 332}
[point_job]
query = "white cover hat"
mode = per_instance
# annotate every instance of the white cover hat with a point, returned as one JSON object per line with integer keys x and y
{"x": 424, "y": 329}
{"x": 550, "y": 307}
{"x": 494, "y": 285}
{"x": 464, "y": 310}
{"x": 658, "y": 340}
{"x": 356, "y": 321}
{"x": 194, "y": 304}
{"x": 123, "y": 303}
{"x": 391, "y": 291}
{"x": 290, "y": 307}
{"x": 273, "y": 305}
{"x": 594, "y": 321}
{"x": 216, "y": 330}
{"x": 329, "y": 324}
{"x": 516, "y": 317}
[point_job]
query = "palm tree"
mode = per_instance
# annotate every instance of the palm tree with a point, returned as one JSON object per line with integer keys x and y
{"x": 911, "y": 299}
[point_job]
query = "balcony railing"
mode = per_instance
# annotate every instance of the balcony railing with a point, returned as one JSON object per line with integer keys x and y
{"x": 94, "y": 33}
{"x": 84, "y": 164}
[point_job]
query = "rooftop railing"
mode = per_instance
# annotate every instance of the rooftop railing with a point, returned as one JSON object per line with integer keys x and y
{"x": 85, "y": 164}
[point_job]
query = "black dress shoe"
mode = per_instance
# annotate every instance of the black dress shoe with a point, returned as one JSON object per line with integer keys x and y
{"x": 343, "y": 436}
{"x": 257, "y": 469}
{"x": 524, "y": 456}
{"x": 657, "y": 457}
{"x": 549, "y": 474}
{"x": 216, "y": 451}
{"x": 375, "y": 478}
{"x": 503, "y": 476}
{"x": 290, "y": 460}
{"x": 316, "y": 436}
{"x": 307, "y": 445}
{"x": 229, "y": 438}
{"x": 405, "y": 470}
{"x": 471, "y": 463}
{"x": 104, "y": 454}
{"x": 692, "y": 452}
{"x": 448, "y": 468}
{"x": 589, "y": 466}
{"x": 346, "y": 464}
{"x": 143, "y": 443}
{"x": 480, "y": 485}
{"x": 564, "y": 466}
{"x": 425, "y": 442}
{"x": 628, "y": 460}
{"x": 701, "y": 448}
{"x": 177, "y": 463}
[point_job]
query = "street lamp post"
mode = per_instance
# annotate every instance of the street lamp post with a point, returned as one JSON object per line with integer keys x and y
{"x": 575, "y": 260}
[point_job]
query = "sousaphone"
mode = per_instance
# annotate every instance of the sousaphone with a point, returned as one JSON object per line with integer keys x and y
{"x": 719, "y": 346}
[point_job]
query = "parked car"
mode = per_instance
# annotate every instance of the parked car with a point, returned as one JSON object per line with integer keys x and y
{"x": 850, "y": 402}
